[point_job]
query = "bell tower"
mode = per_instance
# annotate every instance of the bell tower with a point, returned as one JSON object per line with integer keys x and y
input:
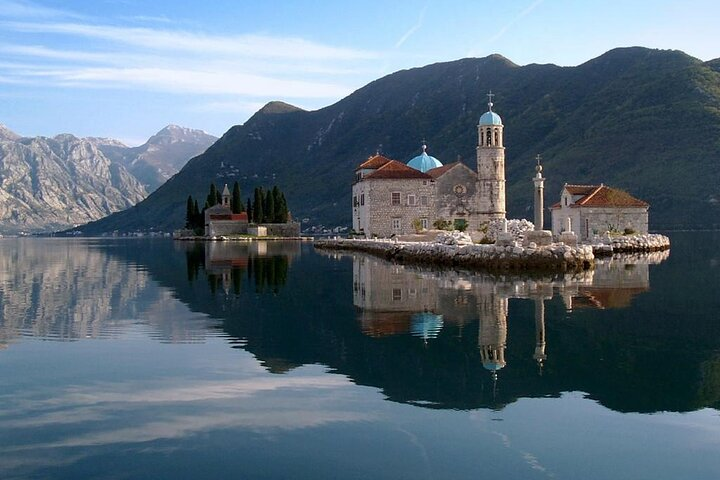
{"x": 491, "y": 165}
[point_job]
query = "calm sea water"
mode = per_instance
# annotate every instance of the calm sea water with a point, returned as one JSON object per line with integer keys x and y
{"x": 153, "y": 359}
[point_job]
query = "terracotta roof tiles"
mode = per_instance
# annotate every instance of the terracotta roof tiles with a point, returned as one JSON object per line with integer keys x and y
{"x": 376, "y": 161}
{"x": 602, "y": 196}
{"x": 397, "y": 170}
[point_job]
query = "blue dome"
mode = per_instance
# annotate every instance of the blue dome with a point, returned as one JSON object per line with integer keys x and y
{"x": 424, "y": 162}
{"x": 490, "y": 118}
{"x": 426, "y": 325}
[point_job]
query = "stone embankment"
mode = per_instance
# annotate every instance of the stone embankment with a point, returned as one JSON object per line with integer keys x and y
{"x": 651, "y": 242}
{"x": 463, "y": 254}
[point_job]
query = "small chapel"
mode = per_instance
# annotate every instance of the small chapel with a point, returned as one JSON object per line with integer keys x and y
{"x": 390, "y": 197}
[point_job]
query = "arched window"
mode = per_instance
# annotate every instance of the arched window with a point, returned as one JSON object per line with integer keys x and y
{"x": 496, "y": 138}
{"x": 482, "y": 138}
{"x": 489, "y": 137}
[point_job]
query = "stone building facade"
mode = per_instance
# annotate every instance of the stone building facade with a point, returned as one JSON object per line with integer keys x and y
{"x": 391, "y": 198}
{"x": 590, "y": 210}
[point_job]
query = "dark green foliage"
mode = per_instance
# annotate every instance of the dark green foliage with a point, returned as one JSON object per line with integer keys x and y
{"x": 212, "y": 198}
{"x": 250, "y": 210}
{"x": 259, "y": 207}
{"x": 189, "y": 218}
{"x": 269, "y": 207}
{"x": 646, "y": 121}
{"x": 237, "y": 205}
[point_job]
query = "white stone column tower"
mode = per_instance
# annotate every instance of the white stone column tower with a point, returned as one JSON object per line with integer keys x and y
{"x": 491, "y": 165}
{"x": 539, "y": 182}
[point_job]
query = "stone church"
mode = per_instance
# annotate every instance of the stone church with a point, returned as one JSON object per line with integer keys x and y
{"x": 393, "y": 198}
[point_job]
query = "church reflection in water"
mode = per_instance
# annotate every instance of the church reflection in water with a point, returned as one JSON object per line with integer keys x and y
{"x": 394, "y": 299}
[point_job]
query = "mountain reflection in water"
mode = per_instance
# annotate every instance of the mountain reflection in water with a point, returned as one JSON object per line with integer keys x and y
{"x": 624, "y": 334}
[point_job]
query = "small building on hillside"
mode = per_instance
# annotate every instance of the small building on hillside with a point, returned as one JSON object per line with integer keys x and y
{"x": 591, "y": 210}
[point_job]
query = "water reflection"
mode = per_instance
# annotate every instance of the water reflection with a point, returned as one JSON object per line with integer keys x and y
{"x": 226, "y": 263}
{"x": 395, "y": 299}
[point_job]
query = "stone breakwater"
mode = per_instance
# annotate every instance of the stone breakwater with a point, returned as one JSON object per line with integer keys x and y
{"x": 556, "y": 257}
{"x": 651, "y": 242}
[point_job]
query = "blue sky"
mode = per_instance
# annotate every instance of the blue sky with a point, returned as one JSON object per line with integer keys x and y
{"x": 126, "y": 68}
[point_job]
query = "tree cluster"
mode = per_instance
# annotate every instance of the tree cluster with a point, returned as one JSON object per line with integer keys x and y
{"x": 266, "y": 206}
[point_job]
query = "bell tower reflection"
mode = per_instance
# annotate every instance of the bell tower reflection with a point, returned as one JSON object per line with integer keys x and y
{"x": 539, "y": 354}
{"x": 492, "y": 330}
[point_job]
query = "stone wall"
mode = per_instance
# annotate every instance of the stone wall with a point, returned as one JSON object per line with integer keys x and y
{"x": 290, "y": 229}
{"x": 382, "y": 215}
{"x": 590, "y": 221}
{"x": 460, "y": 203}
{"x": 226, "y": 227}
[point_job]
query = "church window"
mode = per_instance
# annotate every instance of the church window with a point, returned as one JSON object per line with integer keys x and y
{"x": 355, "y": 201}
{"x": 424, "y": 200}
{"x": 488, "y": 138}
{"x": 362, "y": 199}
{"x": 396, "y": 224}
{"x": 412, "y": 201}
{"x": 424, "y": 223}
{"x": 482, "y": 138}
{"x": 396, "y": 294}
{"x": 566, "y": 200}
{"x": 497, "y": 142}
{"x": 395, "y": 198}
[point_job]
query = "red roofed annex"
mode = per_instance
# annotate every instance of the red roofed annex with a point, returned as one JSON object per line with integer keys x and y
{"x": 591, "y": 210}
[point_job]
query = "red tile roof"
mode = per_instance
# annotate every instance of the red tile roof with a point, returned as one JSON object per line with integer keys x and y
{"x": 397, "y": 170}
{"x": 437, "y": 171}
{"x": 375, "y": 161}
{"x": 238, "y": 217}
{"x": 580, "y": 189}
{"x": 602, "y": 196}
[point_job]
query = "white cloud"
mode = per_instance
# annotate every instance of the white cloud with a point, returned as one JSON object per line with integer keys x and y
{"x": 22, "y": 9}
{"x": 146, "y": 59}
{"x": 169, "y": 40}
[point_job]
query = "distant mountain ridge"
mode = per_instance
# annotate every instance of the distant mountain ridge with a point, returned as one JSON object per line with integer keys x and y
{"x": 162, "y": 156}
{"x": 643, "y": 120}
{"x": 50, "y": 184}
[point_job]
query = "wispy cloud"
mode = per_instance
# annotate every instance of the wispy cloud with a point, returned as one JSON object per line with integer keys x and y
{"x": 252, "y": 66}
{"x": 520, "y": 15}
{"x": 24, "y": 9}
{"x": 190, "y": 42}
{"x": 414, "y": 28}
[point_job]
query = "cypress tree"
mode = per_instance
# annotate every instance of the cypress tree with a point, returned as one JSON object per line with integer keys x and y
{"x": 197, "y": 219}
{"x": 218, "y": 197}
{"x": 269, "y": 207}
{"x": 259, "y": 212}
{"x": 212, "y": 196}
{"x": 276, "y": 204}
{"x": 189, "y": 220}
{"x": 284, "y": 216}
{"x": 249, "y": 210}
{"x": 237, "y": 205}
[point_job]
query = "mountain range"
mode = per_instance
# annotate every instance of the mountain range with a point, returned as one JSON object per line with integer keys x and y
{"x": 643, "y": 120}
{"x": 49, "y": 184}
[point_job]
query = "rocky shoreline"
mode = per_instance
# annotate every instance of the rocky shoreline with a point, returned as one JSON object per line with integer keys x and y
{"x": 556, "y": 257}
{"x": 650, "y": 242}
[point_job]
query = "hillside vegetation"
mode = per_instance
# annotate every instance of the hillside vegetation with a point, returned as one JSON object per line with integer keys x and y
{"x": 646, "y": 121}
